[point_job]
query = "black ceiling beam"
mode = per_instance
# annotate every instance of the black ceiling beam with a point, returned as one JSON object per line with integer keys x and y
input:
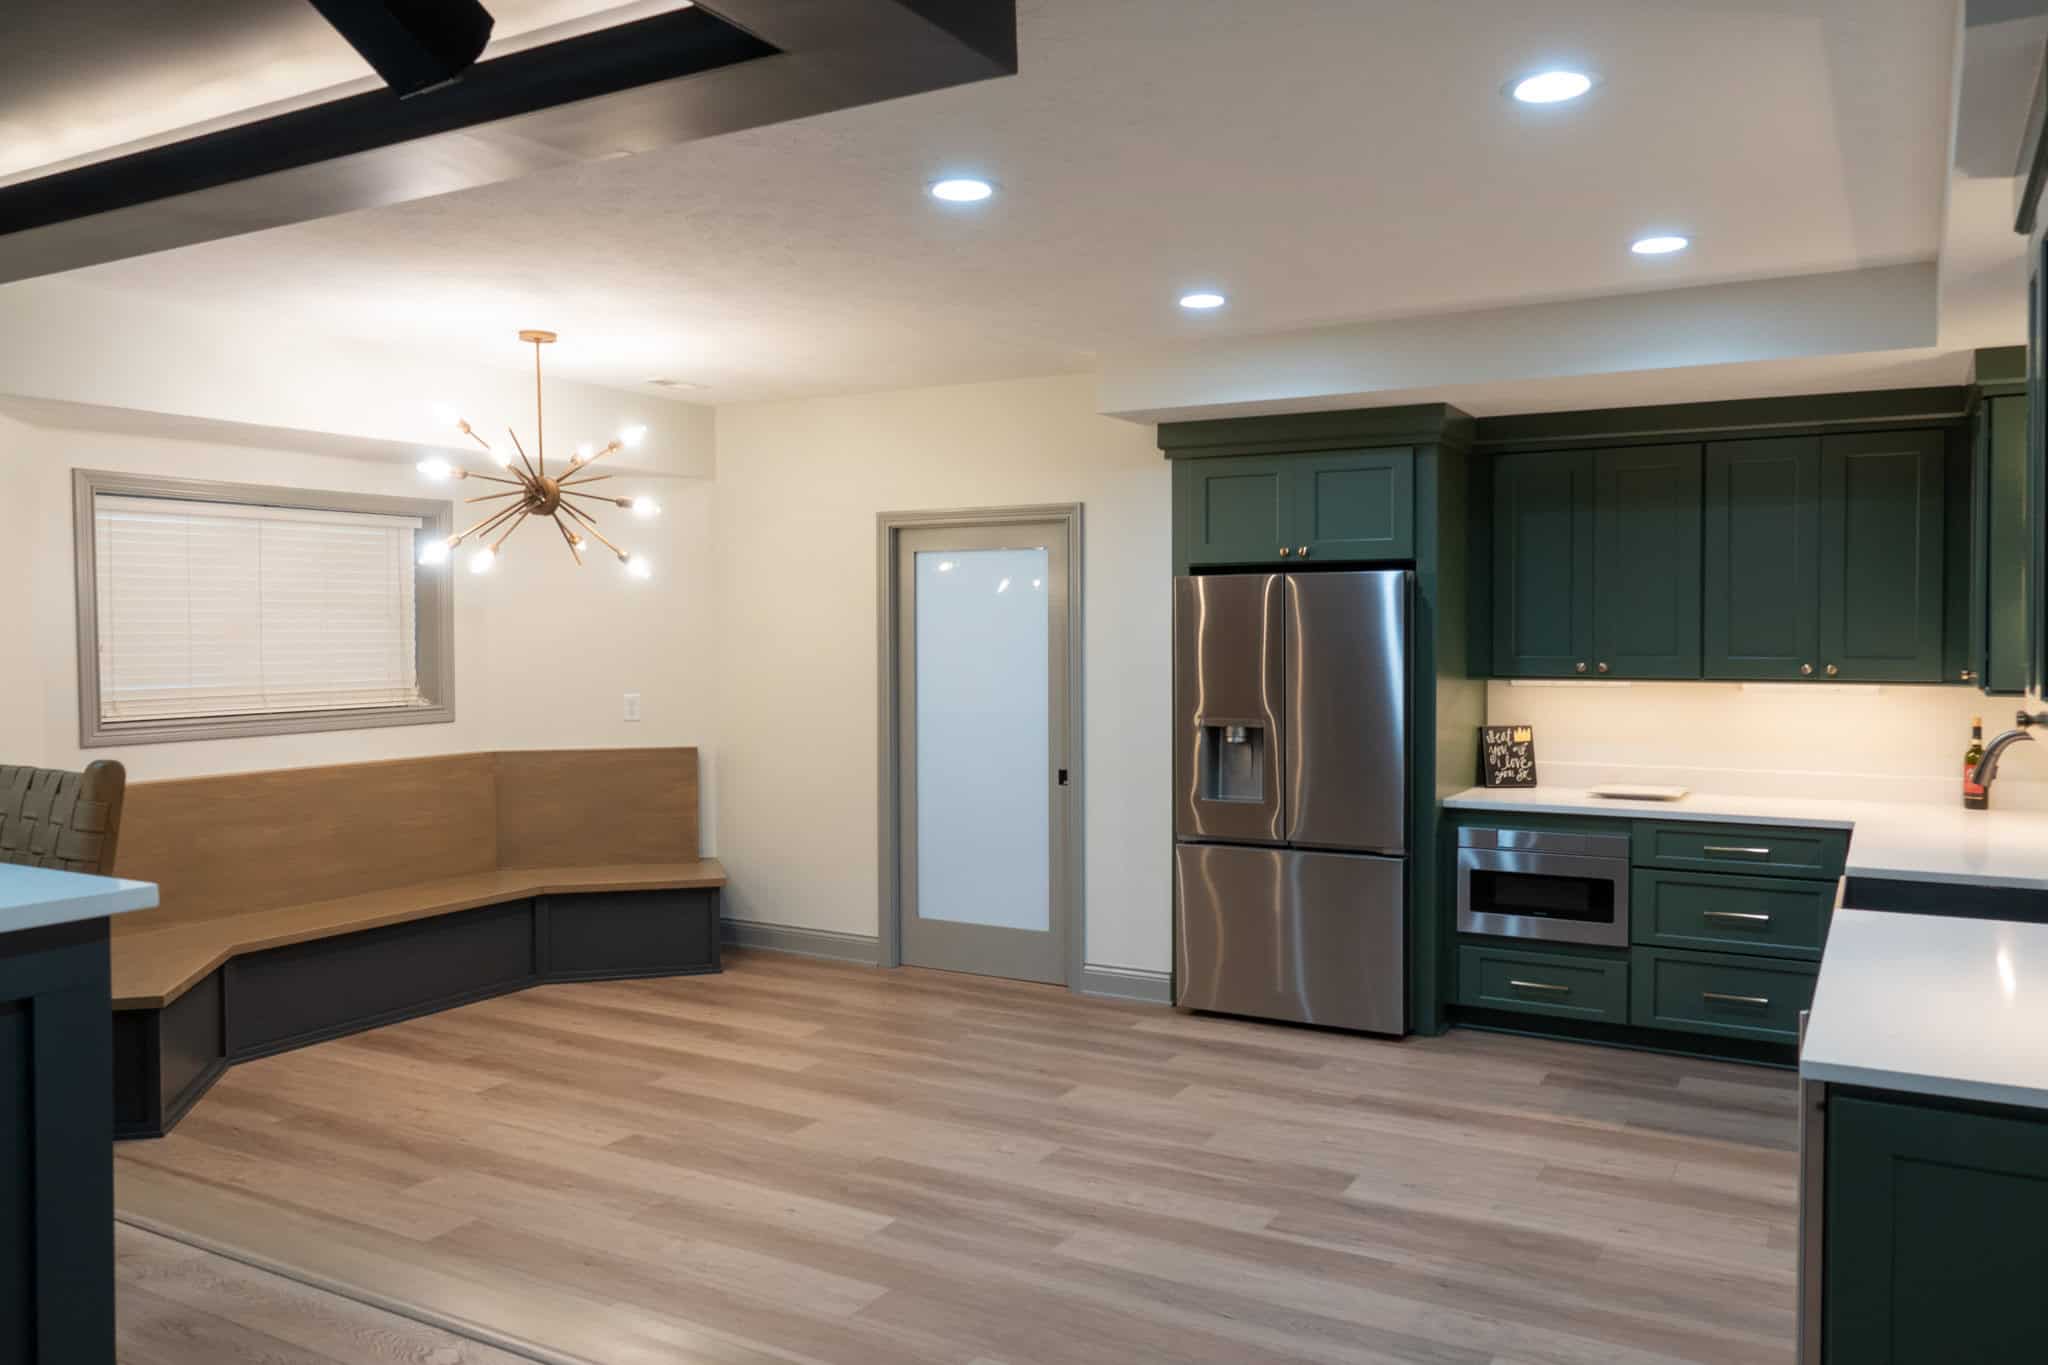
{"x": 413, "y": 45}
{"x": 675, "y": 77}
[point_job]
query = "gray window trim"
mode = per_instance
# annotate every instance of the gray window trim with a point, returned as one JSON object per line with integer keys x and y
{"x": 433, "y": 612}
{"x": 888, "y": 594}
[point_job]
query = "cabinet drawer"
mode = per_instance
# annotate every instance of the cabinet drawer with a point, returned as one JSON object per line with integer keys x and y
{"x": 1736, "y": 997}
{"x": 1779, "y": 850}
{"x": 1771, "y": 915}
{"x": 1564, "y": 985}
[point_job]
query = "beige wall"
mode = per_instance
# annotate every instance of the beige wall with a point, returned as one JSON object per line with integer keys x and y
{"x": 797, "y": 491}
{"x": 1861, "y": 743}
{"x": 543, "y": 652}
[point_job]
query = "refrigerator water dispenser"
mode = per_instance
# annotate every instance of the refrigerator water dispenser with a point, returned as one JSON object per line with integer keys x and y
{"x": 1233, "y": 763}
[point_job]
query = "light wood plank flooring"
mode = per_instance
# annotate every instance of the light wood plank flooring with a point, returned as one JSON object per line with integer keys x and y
{"x": 181, "y": 1306}
{"x": 806, "y": 1161}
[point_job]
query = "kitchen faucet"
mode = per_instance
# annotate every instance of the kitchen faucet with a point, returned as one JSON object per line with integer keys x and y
{"x": 1987, "y": 767}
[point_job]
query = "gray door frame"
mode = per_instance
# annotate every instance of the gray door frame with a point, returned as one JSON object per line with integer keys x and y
{"x": 889, "y": 527}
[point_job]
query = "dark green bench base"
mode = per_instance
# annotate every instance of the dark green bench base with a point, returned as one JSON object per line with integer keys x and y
{"x": 267, "y": 1002}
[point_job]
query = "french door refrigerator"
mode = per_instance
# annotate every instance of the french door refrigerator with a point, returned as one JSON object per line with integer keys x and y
{"x": 1290, "y": 698}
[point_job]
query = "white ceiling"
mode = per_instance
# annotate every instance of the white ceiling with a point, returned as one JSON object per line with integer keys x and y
{"x": 1318, "y": 160}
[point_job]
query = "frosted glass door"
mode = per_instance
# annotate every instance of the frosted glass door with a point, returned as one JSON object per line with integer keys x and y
{"x": 979, "y": 671}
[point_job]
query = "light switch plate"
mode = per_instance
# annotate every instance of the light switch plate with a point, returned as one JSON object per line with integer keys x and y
{"x": 632, "y": 706}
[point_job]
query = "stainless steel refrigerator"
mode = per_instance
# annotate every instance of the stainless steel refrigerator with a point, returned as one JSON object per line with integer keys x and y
{"x": 1290, "y": 769}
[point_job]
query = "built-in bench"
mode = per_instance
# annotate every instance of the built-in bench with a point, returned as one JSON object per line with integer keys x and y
{"x": 307, "y": 903}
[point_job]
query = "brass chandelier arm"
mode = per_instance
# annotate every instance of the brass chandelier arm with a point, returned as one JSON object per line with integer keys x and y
{"x": 487, "y": 497}
{"x": 470, "y": 432}
{"x": 567, "y": 482}
{"x": 522, "y": 453}
{"x": 591, "y": 523}
{"x": 489, "y": 523}
{"x": 568, "y": 540}
{"x": 577, "y": 462}
{"x": 492, "y": 478}
{"x": 523, "y": 514}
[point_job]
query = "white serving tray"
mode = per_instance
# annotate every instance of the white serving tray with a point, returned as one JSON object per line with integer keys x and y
{"x": 1625, "y": 792}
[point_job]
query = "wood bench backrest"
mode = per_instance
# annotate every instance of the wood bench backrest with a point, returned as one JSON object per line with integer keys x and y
{"x": 254, "y": 841}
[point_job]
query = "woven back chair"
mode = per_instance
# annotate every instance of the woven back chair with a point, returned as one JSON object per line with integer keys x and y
{"x": 53, "y": 818}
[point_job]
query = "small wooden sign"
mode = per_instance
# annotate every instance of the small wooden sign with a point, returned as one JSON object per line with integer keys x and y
{"x": 1507, "y": 755}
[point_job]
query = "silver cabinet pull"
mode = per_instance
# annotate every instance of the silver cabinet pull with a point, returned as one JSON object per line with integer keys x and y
{"x": 1581, "y": 666}
{"x": 1832, "y": 670}
{"x": 1302, "y": 553}
{"x": 1758, "y": 1000}
{"x": 1744, "y": 916}
{"x": 1603, "y": 668}
{"x": 1806, "y": 670}
{"x": 1539, "y": 986}
{"x": 1736, "y": 848}
{"x": 1286, "y": 550}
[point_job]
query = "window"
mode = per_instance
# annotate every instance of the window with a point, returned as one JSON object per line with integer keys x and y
{"x": 208, "y": 610}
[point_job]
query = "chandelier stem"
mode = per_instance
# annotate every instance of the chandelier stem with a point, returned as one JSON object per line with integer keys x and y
{"x": 540, "y": 434}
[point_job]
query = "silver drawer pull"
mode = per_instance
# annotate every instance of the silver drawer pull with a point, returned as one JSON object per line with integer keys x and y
{"x": 1758, "y": 1000}
{"x": 1540, "y": 986}
{"x": 1730, "y": 848}
{"x": 1744, "y": 916}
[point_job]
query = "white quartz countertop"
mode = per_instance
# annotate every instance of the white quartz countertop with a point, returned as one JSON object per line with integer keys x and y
{"x": 1890, "y": 840}
{"x": 34, "y": 897}
{"x": 1932, "y": 1005}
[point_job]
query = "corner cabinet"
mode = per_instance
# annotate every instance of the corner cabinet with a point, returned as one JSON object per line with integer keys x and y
{"x": 1347, "y": 506}
{"x": 1596, "y": 563}
{"x": 2000, "y": 589}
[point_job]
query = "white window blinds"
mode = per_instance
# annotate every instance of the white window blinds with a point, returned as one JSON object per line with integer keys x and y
{"x": 224, "y": 609}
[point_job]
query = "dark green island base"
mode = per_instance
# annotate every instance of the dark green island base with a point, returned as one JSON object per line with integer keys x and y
{"x": 56, "y": 1155}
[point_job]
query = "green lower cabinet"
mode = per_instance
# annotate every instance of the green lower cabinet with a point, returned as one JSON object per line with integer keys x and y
{"x": 1732, "y": 997}
{"x": 1779, "y": 850}
{"x": 1774, "y": 916}
{"x": 1935, "y": 1249}
{"x": 1561, "y": 985}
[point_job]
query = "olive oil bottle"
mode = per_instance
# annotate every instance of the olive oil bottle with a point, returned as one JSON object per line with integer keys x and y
{"x": 1975, "y": 795}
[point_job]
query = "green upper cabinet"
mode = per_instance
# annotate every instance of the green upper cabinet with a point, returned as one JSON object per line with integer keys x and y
{"x": 1826, "y": 556}
{"x": 1596, "y": 563}
{"x": 1543, "y": 565}
{"x": 1762, "y": 560}
{"x": 1882, "y": 556}
{"x": 1646, "y": 562}
{"x": 1237, "y": 510}
{"x": 1355, "y": 505}
{"x": 1342, "y": 506}
{"x": 1999, "y": 595}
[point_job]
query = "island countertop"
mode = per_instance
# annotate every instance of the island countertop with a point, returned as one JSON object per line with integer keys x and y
{"x": 36, "y": 897}
{"x": 1893, "y": 841}
{"x": 1932, "y": 1005}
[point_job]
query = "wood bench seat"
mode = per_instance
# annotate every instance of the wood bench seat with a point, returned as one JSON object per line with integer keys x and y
{"x": 153, "y": 968}
{"x": 303, "y": 904}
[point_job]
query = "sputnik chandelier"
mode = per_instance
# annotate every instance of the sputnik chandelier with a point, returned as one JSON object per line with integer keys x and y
{"x": 533, "y": 492}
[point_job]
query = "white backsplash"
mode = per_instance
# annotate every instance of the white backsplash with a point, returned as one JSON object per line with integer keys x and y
{"x": 1798, "y": 740}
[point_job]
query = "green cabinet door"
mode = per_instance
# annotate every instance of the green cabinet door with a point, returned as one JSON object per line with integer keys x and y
{"x": 1236, "y": 510}
{"x": 2000, "y": 545}
{"x": 1646, "y": 562}
{"x": 1355, "y": 505}
{"x": 1881, "y": 556}
{"x": 1761, "y": 614}
{"x": 1934, "y": 1236}
{"x": 1543, "y": 564}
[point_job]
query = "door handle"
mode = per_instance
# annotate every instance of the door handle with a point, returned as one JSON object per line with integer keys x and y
{"x": 1736, "y": 849}
{"x": 1761, "y": 1001}
{"x": 1539, "y": 986}
{"x": 1740, "y": 916}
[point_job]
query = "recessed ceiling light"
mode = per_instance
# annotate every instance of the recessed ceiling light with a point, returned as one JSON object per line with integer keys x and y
{"x": 1661, "y": 245}
{"x": 962, "y": 190}
{"x": 1551, "y": 87}
{"x": 1200, "y": 301}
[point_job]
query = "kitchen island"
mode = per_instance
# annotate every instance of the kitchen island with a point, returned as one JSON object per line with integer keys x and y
{"x": 56, "y": 1113}
{"x": 1924, "y": 1142}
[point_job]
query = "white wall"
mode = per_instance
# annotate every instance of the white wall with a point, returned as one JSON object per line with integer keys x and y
{"x": 1800, "y": 740}
{"x": 798, "y": 487}
{"x": 543, "y": 651}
